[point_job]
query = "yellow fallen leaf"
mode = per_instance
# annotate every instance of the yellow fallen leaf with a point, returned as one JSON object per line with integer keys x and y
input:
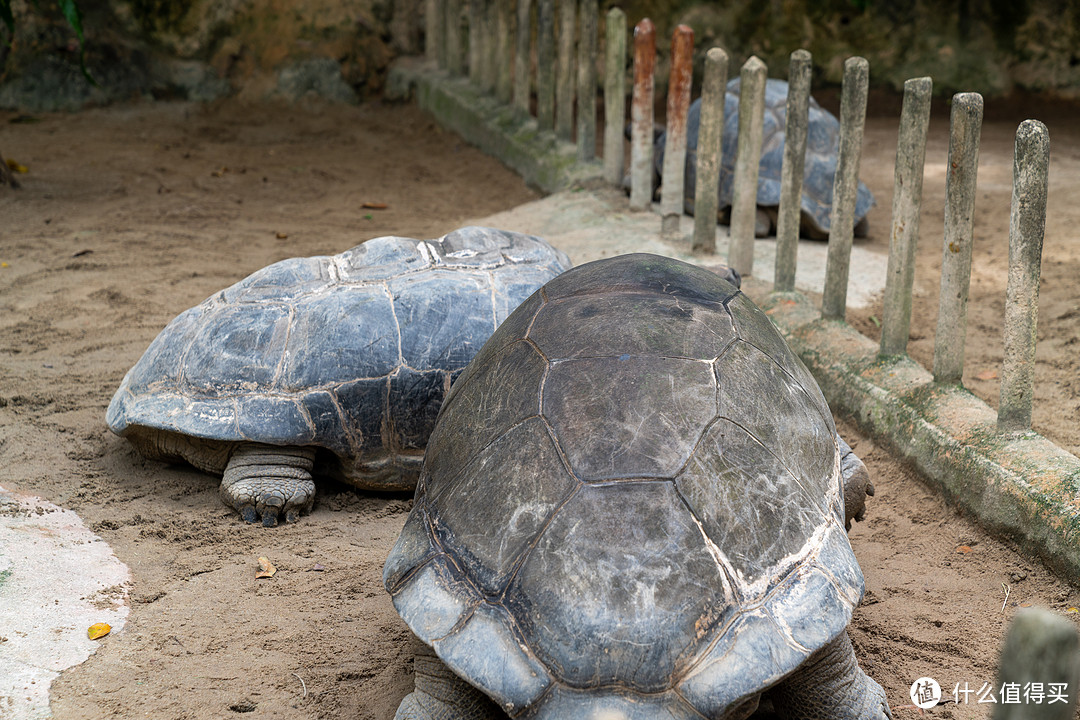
{"x": 1073, "y": 611}
{"x": 282, "y": 236}
{"x": 266, "y": 570}
{"x": 98, "y": 630}
{"x": 16, "y": 167}
{"x": 986, "y": 375}
{"x": 964, "y": 549}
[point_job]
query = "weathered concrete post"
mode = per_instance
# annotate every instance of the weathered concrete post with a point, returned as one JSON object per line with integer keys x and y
{"x": 489, "y": 45}
{"x": 845, "y": 187}
{"x": 503, "y": 53}
{"x": 965, "y": 127}
{"x": 1031, "y": 167}
{"x": 796, "y": 125}
{"x": 545, "y": 64}
{"x": 476, "y": 40}
{"x": 522, "y": 56}
{"x": 681, "y": 76}
{"x": 641, "y": 116}
{"x": 906, "y": 208}
{"x": 747, "y": 161}
{"x": 588, "y": 25}
{"x": 1041, "y": 648}
{"x": 614, "y": 96}
{"x": 455, "y": 45}
{"x": 564, "y": 78}
{"x": 434, "y": 32}
{"x": 709, "y": 151}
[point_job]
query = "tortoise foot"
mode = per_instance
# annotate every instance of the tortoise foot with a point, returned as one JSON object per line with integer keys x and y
{"x": 267, "y": 483}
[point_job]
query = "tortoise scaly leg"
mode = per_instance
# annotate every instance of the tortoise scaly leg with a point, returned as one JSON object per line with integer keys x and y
{"x": 268, "y": 482}
{"x": 442, "y": 695}
{"x": 857, "y": 484}
{"x": 830, "y": 685}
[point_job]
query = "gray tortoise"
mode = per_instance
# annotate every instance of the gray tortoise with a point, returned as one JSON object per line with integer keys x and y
{"x": 633, "y": 507}
{"x": 335, "y": 364}
{"x": 822, "y": 145}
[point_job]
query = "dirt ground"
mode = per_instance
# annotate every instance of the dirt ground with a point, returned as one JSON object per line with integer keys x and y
{"x": 130, "y": 215}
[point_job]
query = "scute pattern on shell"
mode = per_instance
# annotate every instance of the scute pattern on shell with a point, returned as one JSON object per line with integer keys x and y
{"x": 631, "y": 501}
{"x": 819, "y": 171}
{"x": 352, "y": 352}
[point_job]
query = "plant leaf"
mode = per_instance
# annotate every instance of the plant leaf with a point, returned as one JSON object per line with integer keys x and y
{"x": 98, "y": 630}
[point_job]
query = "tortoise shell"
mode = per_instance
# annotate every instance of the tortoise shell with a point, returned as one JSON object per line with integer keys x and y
{"x": 632, "y": 500}
{"x": 351, "y": 353}
{"x": 819, "y": 171}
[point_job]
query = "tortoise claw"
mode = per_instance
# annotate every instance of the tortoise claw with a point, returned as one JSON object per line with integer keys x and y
{"x": 247, "y": 512}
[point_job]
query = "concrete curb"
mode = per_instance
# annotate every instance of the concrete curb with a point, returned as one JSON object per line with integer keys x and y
{"x": 545, "y": 162}
{"x": 1021, "y": 487}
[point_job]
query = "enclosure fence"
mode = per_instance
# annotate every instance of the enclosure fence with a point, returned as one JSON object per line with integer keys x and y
{"x": 492, "y": 41}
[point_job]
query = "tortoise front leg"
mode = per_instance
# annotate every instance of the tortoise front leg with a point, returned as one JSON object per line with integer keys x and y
{"x": 857, "y": 483}
{"x": 442, "y": 695}
{"x": 267, "y": 481}
{"x": 830, "y": 685}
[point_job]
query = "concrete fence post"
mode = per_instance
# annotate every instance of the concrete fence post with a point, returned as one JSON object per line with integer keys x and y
{"x": 672, "y": 201}
{"x": 614, "y": 96}
{"x": 523, "y": 56}
{"x": 1042, "y": 648}
{"x": 504, "y": 55}
{"x": 709, "y": 151}
{"x": 796, "y": 126}
{"x": 747, "y": 162}
{"x": 965, "y": 126}
{"x": 588, "y": 24}
{"x": 641, "y": 116}
{"x": 545, "y": 64}
{"x": 1031, "y": 167}
{"x": 564, "y": 77}
{"x": 845, "y": 188}
{"x": 434, "y": 32}
{"x": 455, "y": 43}
{"x": 489, "y": 45}
{"x": 476, "y": 40}
{"x": 906, "y": 208}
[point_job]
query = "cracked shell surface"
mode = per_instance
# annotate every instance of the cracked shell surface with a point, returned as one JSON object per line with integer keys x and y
{"x": 353, "y": 353}
{"x": 819, "y": 169}
{"x": 631, "y": 496}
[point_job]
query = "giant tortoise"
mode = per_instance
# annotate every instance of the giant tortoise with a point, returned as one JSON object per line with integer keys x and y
{"x": 633, "y": 507}
{"x": 334, "y": 364}
{"x": 822, "y": 145}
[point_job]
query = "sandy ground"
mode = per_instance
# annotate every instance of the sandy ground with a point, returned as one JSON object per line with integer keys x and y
{"x": 130, "y": 215}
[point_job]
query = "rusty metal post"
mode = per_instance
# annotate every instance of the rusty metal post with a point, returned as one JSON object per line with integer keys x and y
{"x": 641, "y": 116}
{"x": 455, "y": 45}
{"x": 709, "y": 151}
{"x": 845, "y": 188}
{"x": 522, "y": 56}
{"x": 1031, "y": 167}
{"x": 614, "y": 96}
{"x": 586, "y": 86}
{"x": 564, "y": 78}
{"x": 545, "y": 64}
{"x": 672, "y": 201}
{"x": 747, "y": 161}
{"x": 906, "y": 208}
{"x": 796, "y": 126}
{"x": 965, "y": 128}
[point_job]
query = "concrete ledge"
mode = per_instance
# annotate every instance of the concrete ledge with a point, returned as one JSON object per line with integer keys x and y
{"x": 545, "y": 162}
{"x": 1021, "y": 487}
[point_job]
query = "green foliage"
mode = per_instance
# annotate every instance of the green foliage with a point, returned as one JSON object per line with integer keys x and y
{"x": 70, "y": 10}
